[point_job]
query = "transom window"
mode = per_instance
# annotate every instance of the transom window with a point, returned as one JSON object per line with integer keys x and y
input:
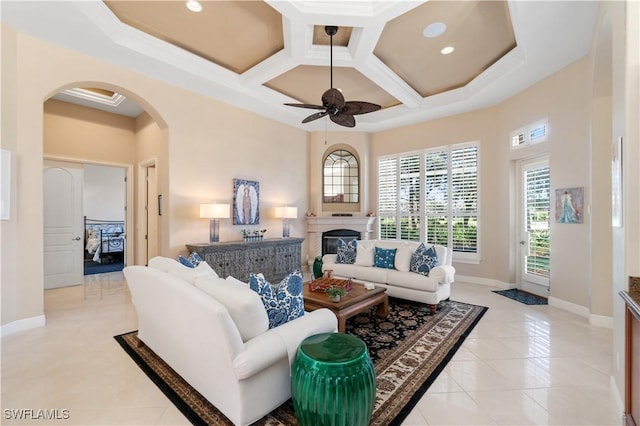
{"x": 431, "y": 196}
{"x": 528, "y": 135}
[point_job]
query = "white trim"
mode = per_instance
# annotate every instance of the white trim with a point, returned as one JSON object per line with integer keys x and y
{"x": 601, "y": 321}
{"x": 613, "y": 385}
{"x": 23, "y": 325}
{"x": 570, "y": 307}
{"x": 485, "y": 281}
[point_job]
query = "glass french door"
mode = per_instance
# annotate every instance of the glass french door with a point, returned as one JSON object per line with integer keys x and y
{"x": 535, "y": 212}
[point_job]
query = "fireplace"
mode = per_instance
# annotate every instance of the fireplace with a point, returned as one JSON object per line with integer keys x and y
{"x": 330, "y": 239}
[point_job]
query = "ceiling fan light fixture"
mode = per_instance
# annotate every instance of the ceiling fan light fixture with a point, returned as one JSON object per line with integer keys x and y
{"x": 434, "y": 29}
{"x": 333, "y": 105}
{"x": 194, "y": 6}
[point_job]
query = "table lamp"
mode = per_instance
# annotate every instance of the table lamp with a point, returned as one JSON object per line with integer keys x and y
{"x": 215, "y": 212}
{"x": 286, "y": 213}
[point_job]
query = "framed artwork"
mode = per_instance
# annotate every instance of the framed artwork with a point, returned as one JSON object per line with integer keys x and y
{"x": 569, "y": 205}
{"x": 246, "y": 202}
{"x": 616, "y": 184}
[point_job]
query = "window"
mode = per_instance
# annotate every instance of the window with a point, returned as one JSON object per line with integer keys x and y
{"x": 533, "y": 133}
{"x": 431, "y": 196}
{"x": 340, "y": 177}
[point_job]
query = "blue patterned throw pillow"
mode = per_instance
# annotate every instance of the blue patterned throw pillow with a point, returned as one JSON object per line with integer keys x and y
{"x": 186, "y": 262}
{"x": 346, "y": 251}
{"x": 283, "y": 302}
{"x": 423, "y": 260}
{"x": 195, "y": 259}
{"x": 384, "y": 258}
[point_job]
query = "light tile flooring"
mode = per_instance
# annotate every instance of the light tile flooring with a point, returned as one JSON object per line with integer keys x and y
{"x": 520, "y": 366}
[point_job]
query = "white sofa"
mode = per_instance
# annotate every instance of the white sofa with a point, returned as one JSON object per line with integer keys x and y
{"x": 214, "y": 333}
{"x": 400, "y": 282}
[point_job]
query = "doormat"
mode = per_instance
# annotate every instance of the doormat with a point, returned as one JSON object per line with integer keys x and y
{"x": 409, "y": 349}
{"x": 523, "y": 296}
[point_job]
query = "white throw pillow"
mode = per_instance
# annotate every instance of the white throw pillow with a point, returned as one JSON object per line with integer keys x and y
{"x": 178, "y": 270}
{"x": 243, "y": 304}
{"x": 161, "y": 263}
{"x": 364, "y": 254}
{"x": 402, "y": 261}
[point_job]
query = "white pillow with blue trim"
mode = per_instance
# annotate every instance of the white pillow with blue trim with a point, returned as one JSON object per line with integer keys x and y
{"x": 283, "y": 301}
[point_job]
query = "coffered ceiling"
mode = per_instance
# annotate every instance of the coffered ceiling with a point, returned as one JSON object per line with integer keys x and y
{"x": 259, "y": 55}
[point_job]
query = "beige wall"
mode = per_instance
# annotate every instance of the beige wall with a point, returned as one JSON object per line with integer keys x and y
{"x": 208, "y": 144}
{"x": 77, "y": 132}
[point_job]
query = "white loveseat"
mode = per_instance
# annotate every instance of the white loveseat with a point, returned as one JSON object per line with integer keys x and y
{"x": 400, "y": 282}
{"x": 214, "y": 333}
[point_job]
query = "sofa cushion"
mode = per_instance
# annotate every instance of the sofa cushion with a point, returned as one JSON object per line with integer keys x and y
{"x": 384, "y": 258}
{"x": 403, "y": 258}
{"x": 364, "y": 254}
{"x": 244, "y": 305}
{"x": 424, "y": 259}
{"x": 412, "y": 281}
{"x": 342, "y": 269}
{"x": 283, "y": 302}
{"x": 346, "y": 251}
{"x": 179, "y": 270}
{"x": 369, "y": 273}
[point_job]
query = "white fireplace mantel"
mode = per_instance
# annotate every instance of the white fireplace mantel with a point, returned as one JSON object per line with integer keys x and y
{"x": 316, "y": 225}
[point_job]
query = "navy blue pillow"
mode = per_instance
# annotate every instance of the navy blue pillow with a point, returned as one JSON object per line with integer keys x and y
{"x": 384, "y": 258}
{"x": 346, "y": 251}
{"x": 423, "y": 260}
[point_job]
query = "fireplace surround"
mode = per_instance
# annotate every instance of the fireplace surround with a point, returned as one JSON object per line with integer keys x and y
{"x": 330, "y": 239}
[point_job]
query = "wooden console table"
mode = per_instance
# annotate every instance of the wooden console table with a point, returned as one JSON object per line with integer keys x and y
{"x": 274, "y": 258}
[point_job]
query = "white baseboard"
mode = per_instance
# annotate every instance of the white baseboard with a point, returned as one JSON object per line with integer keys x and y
{"x": 570, "y": 307}
{"x": 601, "y": 321}
{"x": 485, "y": 281}
{"x": 22, "y": 325}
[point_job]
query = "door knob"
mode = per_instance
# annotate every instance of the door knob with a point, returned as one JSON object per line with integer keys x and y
{"x": 522, "y": 242}
{"x": 77, "y": 238}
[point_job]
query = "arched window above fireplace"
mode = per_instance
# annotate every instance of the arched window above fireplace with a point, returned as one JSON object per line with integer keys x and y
{"x": 341, "y": 177}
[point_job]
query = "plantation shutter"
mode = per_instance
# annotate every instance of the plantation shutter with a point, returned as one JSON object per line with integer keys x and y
{"x": 410, "y": 197}
{"x": 387, "y": 197}
{"x": 437, "y": 197}
{"x": 537, "y": 205}
{"x": 464, "y": 198}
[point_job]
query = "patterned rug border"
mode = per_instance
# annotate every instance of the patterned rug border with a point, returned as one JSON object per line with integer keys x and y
{"x": 192, "y": 415}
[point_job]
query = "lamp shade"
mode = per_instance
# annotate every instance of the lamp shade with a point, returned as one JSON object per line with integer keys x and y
{"x": 286, "y": 212}
{"x": 214, "y": 211}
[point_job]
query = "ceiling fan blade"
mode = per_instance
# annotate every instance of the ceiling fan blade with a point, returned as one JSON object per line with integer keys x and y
{"x": 359, "y": 107}
{"x": 315, "y": 116}
{"x": 309, "y": 106}
{"x": 343, "y": 119}
{"x": 333, "y": 97}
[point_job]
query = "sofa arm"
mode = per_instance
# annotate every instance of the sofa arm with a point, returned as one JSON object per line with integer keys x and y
{"x": 282, "y": 341}
{"x": 444, "y": 273}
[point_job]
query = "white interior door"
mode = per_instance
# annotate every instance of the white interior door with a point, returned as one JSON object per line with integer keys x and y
{"x": 63, "y": 224}
{"x": 534, "y": 229}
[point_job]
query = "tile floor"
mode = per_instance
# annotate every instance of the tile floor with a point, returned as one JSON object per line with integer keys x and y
{"x": 520, "y": 366}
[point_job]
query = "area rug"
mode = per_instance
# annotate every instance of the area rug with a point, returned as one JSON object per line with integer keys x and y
{"x": 409, "y": 349}
{"x": 523, "y": 296}
{"x": 91, "y": 267}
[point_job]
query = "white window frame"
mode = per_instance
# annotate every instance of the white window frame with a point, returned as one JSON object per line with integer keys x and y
{"x": 462, "y": 257}
{"x": 526, "y": 134}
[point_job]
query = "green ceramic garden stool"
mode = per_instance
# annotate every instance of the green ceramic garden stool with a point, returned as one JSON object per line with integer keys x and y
{"x": 333, "y": 382}
{"x": 317, "y": 267}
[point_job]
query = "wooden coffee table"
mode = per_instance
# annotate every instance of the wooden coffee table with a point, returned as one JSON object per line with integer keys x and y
{"x": 358, "y": 300}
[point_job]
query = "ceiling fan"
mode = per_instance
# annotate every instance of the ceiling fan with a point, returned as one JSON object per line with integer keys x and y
{"x": 333, "y": 104}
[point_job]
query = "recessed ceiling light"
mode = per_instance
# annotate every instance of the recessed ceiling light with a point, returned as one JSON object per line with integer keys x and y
{"x": 447, "y": 50}
{"x": 434, "y": 30}
{"x": 194, "y": 5}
